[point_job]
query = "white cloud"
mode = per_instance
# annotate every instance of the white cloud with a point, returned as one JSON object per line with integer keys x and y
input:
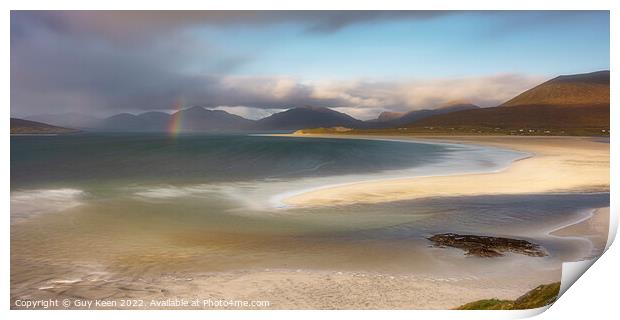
{"x": 364, "y": 99}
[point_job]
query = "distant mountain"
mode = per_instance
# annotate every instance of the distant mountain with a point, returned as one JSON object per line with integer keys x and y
{"x": 127, "y": 122}
{"x": 522, "y": 117}
{"x": 565, "y": 102}
{"x": 155, "y": 121}
{"x": 588, "y": 89}
{"x": 386, "y": 116}
{"x": 416, "y": 115}
{"x": 308, "y": 117}
{"x": 20, "y": 126}
{"x": 199, "y": 119}
{"x": 68, "y": 120}
{"x": 195, "y": 119}
{"x": 568, "y": 104}
{"x": 395, "y": 119}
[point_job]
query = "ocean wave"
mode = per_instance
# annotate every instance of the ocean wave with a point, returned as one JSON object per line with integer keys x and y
{"x": 26, "y": 204}
{"x": 268, "y": 194}
{"x": 462, "y": 159}
{"x": 165, "y": 192}
{"x": 254, "y": 195}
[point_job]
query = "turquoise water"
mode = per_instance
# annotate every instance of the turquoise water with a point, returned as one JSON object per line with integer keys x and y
{"x": 95, "y": 159}
{"x": 256, "y": 171}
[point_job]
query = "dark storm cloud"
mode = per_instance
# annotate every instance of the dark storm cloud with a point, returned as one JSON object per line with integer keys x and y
{"x": 109, "y": 61}
{"x": 125, "y": 26}
{"x": 106, "y": 62}
{"x": 63, "y": 74}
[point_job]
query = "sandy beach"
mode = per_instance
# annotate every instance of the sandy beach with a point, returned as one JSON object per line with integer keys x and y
{"x": 311, "y": 289}
{"x": 557, "y": 164}
{"x": 297, "y": 289}
{"x": 594, "y": 228}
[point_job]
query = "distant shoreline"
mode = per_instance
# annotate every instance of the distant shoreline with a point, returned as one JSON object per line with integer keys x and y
{"x": 558, "y": 164}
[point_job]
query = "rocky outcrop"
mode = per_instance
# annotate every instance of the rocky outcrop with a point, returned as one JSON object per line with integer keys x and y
{"x": 485, "y": 246}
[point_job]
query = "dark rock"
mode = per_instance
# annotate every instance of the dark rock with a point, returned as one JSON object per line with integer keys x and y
{"x": 485, "y": 246}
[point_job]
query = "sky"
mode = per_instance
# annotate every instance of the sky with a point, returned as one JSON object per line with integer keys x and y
{"x": 254, "y": 63}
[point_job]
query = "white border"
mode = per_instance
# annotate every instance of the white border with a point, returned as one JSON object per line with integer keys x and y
{"x": 594, "y": 295}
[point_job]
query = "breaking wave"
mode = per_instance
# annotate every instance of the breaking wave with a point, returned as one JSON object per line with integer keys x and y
{"x": 26, "y": 204}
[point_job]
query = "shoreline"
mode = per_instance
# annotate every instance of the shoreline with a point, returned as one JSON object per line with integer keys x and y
{"x": 556, "y": 164}
{"x": 277, "y": 200}
{"x": 593, "y": 227}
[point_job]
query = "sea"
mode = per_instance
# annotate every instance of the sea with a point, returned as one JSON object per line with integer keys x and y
{"x": 128, "y": 206}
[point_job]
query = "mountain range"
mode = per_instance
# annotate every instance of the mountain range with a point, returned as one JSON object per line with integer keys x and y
{"x": 569, "y": 101}
{"x": 199, "y": 119}
{"x": 394, "y": 119}
{"x": 307, "y": 117}
{"x": 565, "y": 102}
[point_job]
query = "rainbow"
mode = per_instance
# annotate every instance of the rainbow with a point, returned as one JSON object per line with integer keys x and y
{"x": 175, "y": 125}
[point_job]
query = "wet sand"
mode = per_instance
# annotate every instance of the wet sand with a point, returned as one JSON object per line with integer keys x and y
{"x": 557, "y": 164}
{"x": 293, "y": 288}
{"x": 152, "y": 269}
{"x": 594, "y": 228}
{"x": 296, "y": 289}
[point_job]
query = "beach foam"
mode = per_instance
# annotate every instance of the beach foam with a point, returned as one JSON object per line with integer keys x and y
{"x": 169, "y": 192}
{"x": 165, "y": 192}
{"x": 247, "y": 194}
{"x": 26, "y": 204}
